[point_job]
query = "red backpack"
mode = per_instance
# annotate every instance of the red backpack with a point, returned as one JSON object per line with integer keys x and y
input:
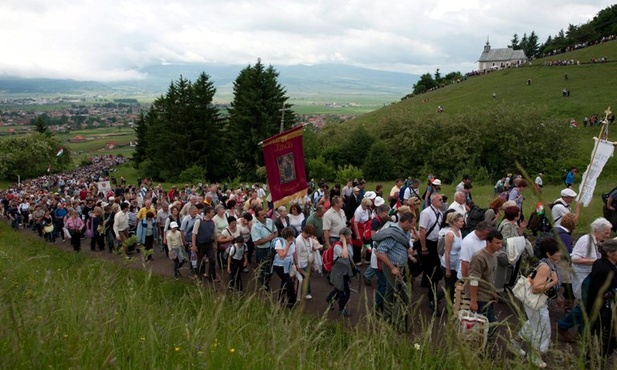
{"x": 328, "y": 258}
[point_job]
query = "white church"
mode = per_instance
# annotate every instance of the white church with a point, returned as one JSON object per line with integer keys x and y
{"x": 500, "y": 58}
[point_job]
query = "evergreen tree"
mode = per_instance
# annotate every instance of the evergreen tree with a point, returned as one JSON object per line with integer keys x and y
{"x": 41, "y": 126}
{"x": 141, "y": 130}
{"x": 182, "y": 131}
{"x": 514, "y": 43}
{"x": 255, "y": 114}
{"x": 531, "y": 46}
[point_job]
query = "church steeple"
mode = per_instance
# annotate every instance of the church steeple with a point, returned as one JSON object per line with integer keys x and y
{"x": 487, "y": 47}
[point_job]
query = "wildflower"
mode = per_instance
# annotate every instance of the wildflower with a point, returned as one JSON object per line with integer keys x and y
{"x": 416, "y": 346}
{"x": 176, "y": 349}
{"x": 143, "y": 338}
{"x": 232, "y": 350}
{"x": 66, "y": 335}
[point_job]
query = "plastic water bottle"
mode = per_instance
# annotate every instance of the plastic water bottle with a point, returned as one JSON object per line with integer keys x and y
{"x": 193, "y": 259}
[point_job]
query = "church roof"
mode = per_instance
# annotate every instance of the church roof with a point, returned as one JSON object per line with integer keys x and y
{"x": 499, "y": 55}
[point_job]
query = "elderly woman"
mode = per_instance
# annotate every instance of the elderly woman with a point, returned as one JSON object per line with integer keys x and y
{"x": 453, "y": 242}
{"x": 600, "y": 299}
{"x": 75, "y": 225}
{"x": 586, "y": 252}
{"x": 175, "y": 243}
{"x": 583, "y": 255}
{"x": 282, "y": 220}
{"x": 342, "y": 269}
{"x": 545, "y": 280}
{"x": 285, "y": 249}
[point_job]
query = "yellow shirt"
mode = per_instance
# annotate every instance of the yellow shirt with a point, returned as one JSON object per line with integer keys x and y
{"x": 142, "y": 212}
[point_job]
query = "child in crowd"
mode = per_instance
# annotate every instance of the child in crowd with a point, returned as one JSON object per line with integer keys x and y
{"x": 236, "y": 260}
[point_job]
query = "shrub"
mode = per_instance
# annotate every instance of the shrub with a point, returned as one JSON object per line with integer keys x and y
{"x": 348, "y": 172}
{"x": 192, "y": 174}
{"x": 319, "y": 169}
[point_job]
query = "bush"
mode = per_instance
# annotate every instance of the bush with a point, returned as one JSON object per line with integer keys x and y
{"x": 379, "y": 164}
{"x": 348, "y": 172}
{"x": 319, "y": 169}
{"x": 193, "y": 174}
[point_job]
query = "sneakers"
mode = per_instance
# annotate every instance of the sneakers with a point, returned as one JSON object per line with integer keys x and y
{"x": 517, "y": 347}
{"x": 308, "y": 296}
{"x": 536, "y": 360}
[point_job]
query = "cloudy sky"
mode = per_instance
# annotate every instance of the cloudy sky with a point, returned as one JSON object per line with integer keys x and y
{"x": 111, "y": 40}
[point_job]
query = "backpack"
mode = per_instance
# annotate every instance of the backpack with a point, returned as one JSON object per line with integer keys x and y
{"x": 441, "y": 244}
{"x": 474, "y": 217}
{"x": 328, "y": 259}
{"x": 539, "y": 223}
{"x": 605, "y": 196}
{"x": 505, "y": 194}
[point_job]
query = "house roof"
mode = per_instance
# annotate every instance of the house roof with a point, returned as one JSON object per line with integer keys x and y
{"x": 502, "y": 55}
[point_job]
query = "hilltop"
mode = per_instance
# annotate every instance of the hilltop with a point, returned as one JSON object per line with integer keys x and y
{"x": 591, "y": 88}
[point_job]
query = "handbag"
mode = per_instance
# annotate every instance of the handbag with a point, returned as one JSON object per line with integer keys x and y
{"x": 473, "y": 328}
{"x": 523, "y": 292}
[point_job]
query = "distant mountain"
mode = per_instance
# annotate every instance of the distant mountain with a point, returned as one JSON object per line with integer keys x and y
{"x": 16, "y": 85}
{"x": 329, "y": 79}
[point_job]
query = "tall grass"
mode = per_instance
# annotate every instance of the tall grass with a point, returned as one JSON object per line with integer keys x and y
{"x": 67, "y": 310}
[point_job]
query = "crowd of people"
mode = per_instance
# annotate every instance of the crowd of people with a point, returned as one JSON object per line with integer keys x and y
{"x": 395, "y": 236}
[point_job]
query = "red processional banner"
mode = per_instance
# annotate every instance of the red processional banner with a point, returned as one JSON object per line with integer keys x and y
{"x": 284, "y": 160}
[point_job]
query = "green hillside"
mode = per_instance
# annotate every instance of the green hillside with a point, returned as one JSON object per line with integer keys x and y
{"x": 592, "y": 89}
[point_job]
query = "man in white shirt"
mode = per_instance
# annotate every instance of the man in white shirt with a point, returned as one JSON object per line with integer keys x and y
{"x": 333, "y": 220}
{"x": 430, "y": 222}
{"x": 472, "y": 244}
{"x": 538, "y": 183}
{"x": 561, "y": 206}
{"x": 461, "y": 185}
{"x": 459, "y": 204}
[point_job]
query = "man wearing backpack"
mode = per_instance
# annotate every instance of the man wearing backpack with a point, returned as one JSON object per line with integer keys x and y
{"x": 609, "y": 209}
{"x": 430, "y": 223}
{"x": 561, "y": 206}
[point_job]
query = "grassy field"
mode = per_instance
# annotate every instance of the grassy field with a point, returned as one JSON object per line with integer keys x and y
{"x": 66, "y": 310}
{"x": 590, "y": 86}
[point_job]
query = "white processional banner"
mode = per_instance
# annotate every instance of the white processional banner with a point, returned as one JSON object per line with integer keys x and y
{"x": 602, "y": 152}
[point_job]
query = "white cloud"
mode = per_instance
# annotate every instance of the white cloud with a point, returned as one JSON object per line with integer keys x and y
{"x": 111, "y": 40}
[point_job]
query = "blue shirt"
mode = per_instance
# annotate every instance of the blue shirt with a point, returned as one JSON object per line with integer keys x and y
{"x": 260, "y": 231}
